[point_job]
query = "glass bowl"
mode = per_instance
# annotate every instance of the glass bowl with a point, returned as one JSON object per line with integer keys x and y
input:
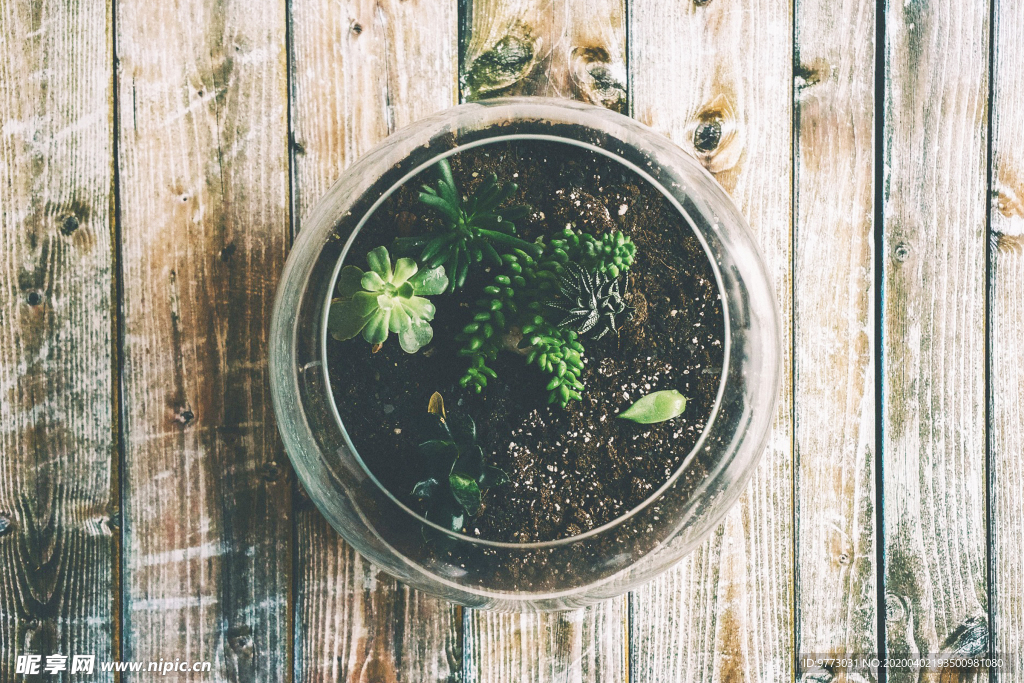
{"x": 569, "y": 572}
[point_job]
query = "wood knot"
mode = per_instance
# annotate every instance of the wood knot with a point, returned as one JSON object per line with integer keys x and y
{"x": 184, "y": 416}
{"x": 807, "y": 75}
{"x": 716, "y": 136}
{"x": 228, "y": 251}
{"x": 356, "y": 28}
{"x": 509, "y": 61}
{"x": 69, "y": 225}
{"x": 597, "y": 78}
{"x": 969, "y": 639}
{"x": 272, "y": 470}
{"x": 901, "y": 252}
{"x": 6, "y": 524}
{"x": 240, "y": 639}
{"x": 707, "y": 136}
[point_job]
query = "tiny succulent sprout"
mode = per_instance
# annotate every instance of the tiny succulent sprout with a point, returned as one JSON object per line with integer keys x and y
{"x": 591, "y": 302}
{"x": 386, "y": 299}
{"x": 656, "y": 407}
{"x": 454, "y": 463}
{"x": 476, "y": 230}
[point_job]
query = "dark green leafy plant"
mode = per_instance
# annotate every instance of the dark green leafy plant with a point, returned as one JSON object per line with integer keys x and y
{"x": 658, "y": 406}
{"x": 383, "y": 300}
{"x": 476, "y": 230}
{"x": 513, "y": 313}
{"x": 590, "y": 302}
{"x": 458, "y": 475}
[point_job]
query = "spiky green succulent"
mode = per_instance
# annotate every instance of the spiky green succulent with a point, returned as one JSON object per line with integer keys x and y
{"x": 457, "y": 472}
{"x": 590, "y": 302}
{"x": 475, "y": 231}
{"x": 516, "y": 305}
{"x": 386, "y": 300}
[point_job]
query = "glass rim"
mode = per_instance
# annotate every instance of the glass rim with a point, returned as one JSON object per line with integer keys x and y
{"x": 687, "y": 461}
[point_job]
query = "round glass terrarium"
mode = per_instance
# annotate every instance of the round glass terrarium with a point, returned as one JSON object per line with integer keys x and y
{"x": 586, "y": 564}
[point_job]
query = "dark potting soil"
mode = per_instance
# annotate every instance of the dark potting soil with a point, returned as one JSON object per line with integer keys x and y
{"x": 575, "y": 468}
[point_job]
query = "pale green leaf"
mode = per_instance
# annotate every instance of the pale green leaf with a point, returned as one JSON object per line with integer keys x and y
{"x": 419, "y": 308}
{"x": 349, "y": 281}
{"x": 380, "y": 263}
{"x": 405, "y": 268}
{"x": 430, "y": 282}
{"x": 346, "y": 319}
{"x": 372, "y": 282}
{"x": 376, "y": 330}
{"x": 657, "y": 407}
{"x": 415, "y": 335}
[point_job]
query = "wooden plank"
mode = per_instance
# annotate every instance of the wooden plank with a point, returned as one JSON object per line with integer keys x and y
{"x": 555, "y": 48}
{"x": 58, "y": 491}
{"x": 1006, "y": 316}
{"x": 716, "y": 77}
{"x": 204, "y": 209}
{"x": 360, "y": 70}
{"x": 834, "y": 328}
{"x": 933, "y": 324}
{"x": 572, "y": 647}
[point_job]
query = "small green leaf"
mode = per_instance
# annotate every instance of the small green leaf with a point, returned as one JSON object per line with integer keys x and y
{"x": 380, "y": 263}
{"x": 348, "y": 318}
{"x": 657, "y": 407}
{"x": 426, "y": 489}
{"x": 466, "y": 492}
{"x": 350, "y": 281}
{"x": 470, "y": 463}
{"x": 405, "y": 268}
{"x": 376, "y": 330}
{"x": 429, "y": 282}
{"x": 372, "y": 282}
{"x": 492, "y": 476}
{"x": 415, "y": 334}
{"x": 463, "y": 429}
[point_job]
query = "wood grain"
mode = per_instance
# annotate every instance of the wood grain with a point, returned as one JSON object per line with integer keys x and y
{"x": 360, "y": 70}
{"x": 58, "y": 534}
{"x": 1006, "y": 316}
{"x": 716, "y": 77}
{"x": 834, "y": 328}
{"x": 571, "y": 49}
{"x": 204, "y": 209}
{"x": 555, "y": 48}
{"x": 568, "y": 647}
{"x": 933, "y": 322}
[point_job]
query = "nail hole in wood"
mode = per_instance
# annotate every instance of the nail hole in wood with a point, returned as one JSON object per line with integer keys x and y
{"x": 185, "y": 416}
{"x": 357, "y": 28}
{"x": 901, "y": 252}
{"x": 34, "y": 298}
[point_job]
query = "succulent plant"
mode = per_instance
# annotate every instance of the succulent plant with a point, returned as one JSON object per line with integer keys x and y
{"x": 517, "y": 302}
{"x": 475, "y": 230}
{"x": 591, "y": 300}
{"x": 656, "y": 407}
{"x": 457, "y": 473}
{"x": 385, "y": 299}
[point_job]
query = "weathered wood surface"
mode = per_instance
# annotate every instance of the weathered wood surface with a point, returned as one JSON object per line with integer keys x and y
{"x": 556, "y": 48}
{"x": 204, "y": 225}
{"x": 571, "y": 49}
{"x": 834, "y": 328}
{"x": 58, "y": 490}
{"x": 717, "y": 78}
{"x": 933, "y": 325}
{"x": 212, "y": 182}
{"x": 567, "y": 647}
{"x": 1006, "y": 316}
{"x": 360, "y": 70}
